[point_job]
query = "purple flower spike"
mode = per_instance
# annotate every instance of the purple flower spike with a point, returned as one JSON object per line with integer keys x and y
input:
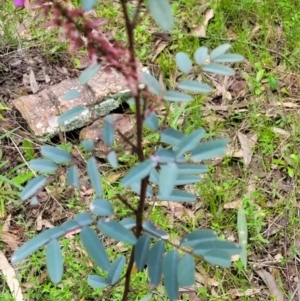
{"x": 18, "y": 3}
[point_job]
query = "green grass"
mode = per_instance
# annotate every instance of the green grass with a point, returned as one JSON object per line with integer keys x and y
{"x": 265, "y": 34}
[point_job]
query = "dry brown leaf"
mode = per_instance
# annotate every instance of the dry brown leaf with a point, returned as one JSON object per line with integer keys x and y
{"x": 270, "y": 281}
{"x": 73, "y": 232}
{"x": 247, "y": 143}
{"x": 253, "y": 32}
{"x": 6, "y": 225}
{"x": 46, "y": 76}
{"x": 177, "y": 210}
{"x": 47, "y": 224}
{"x": 281, "y": 132}
{"x": 278, "y": 257}
{"x": 231, "y": 33}
{"x": 33, "y": 83}
{"x": 287, "y": 104}
{"x": 235, "y": 258}
{"x": 85, "y": 192}
{"x": 200, "y": 31}
{"x": 161, "y": 45}
{"x": 10, "y": 239}
{"x": 39, "y": 222}
{"x": 236, "y": 153}
{"x": 10, "y": 277}
{"x": 205, "y": 280}
{"x": 247, "y": 293}
{"x": 114, "y": 177}
{"x": 233, "y": 205}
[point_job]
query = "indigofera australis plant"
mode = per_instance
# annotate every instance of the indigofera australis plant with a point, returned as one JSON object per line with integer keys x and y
{"x": 175, "y": 161}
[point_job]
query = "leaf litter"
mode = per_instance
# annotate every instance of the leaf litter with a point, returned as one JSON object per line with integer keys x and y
{"x": 11, "y": 278}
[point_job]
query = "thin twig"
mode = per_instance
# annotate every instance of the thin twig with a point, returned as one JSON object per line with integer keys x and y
{"x": 107, "y": 291}
{"x": 135, "y": 94}
{"x": 139, "y": 130}
{"x": 125, "y": 202}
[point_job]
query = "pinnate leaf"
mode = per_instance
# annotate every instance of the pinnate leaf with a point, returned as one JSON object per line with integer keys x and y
{"x": 71, "y": 94}
{"x": 128, "y": 223}
{"x": 155, "y": 261}
{"x": 154, "y": 176}
{"x": 72, "y": 176}
{"x": 218, "y": 69}
{"x": 115, "y": 230}
{"x": 198, "y": 236}
{"x": 101, "y": 207}
{"x": 165, "y": 155}
{"x": 108, "y": 130}
{"x": 141, "y": 251}
{"x": 115, "y": 270}
{"x": 88, "y": 145}
{"x": 154, "y": 230}
{"x": 186, "y": 271}
{"x": 83, "y": 219}
{"x": 97, "y": 282}
{"x": 32, "y": 187}
{"x": 43, "y": 165}
{"x": 94, "y": 176}
{"x": 95, "y": 248}
{"x": 162, "y": 13}
{"x": 243, "y": 234}
{"x": 54, "y": 261}
{"x": 34, "y": 201}
{"x": 219, "y": 51}
{"x": 177, "y": 96}
{"x": 152, "y": 83}
{"x": 178, "y": 196}
{"x": 136, "y": 187}
{"x": 218, "y": 258}
{"x": 183, "y": 62}
{"x": 170, "y": 271}
{"x": 147, "y": 297}
{"x": 229, "y": 58}
{"x": 201, "y": 55}
{"x": 88, "y": 73}
{"x": 35, "y": 243}
{"x": 69, "y": 226}
{"x": 194, "y": 86}
{"x": 70, "y": 114}
{"x": 190, "y": 142}
{"x": 55, "y": 154}
{"x": 186, "y": 179}
{"x": 220, "y": 245}
{"x": 171, "y": 136}
{"x": 167, "y": 178}
{"x": 138, "y": 172}
{"x": 112, "y": 159}
{"x": 151, "y": 121}
{"x": 210, "y": 149}
{"x": 88, "y": 4}
{"x": 191, "y": 168}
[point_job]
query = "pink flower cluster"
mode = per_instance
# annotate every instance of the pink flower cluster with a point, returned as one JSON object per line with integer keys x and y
{"x": 90, "y": 29}
{"x": 18, "y": 3}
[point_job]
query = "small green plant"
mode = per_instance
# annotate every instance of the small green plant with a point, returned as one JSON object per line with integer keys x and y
{"x": 7, "y": 188}
{"x": 2, "y": 108}
{"x": 261, "y": 79}
{"x": 173, "y": 164}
